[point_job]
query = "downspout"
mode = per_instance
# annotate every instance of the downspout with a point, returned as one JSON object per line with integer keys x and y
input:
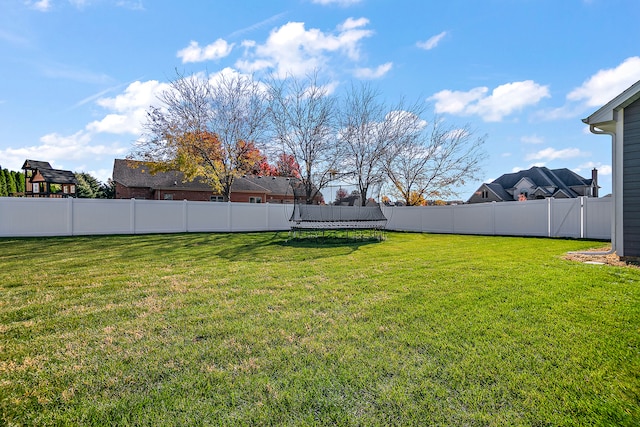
{"x": 592, "y": 129}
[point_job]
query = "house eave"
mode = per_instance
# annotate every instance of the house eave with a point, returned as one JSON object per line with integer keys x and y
{"x": 606, "y": 116}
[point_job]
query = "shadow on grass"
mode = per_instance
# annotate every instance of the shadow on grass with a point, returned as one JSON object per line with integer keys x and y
{"x": 264, "y": 246}
{"x": 267, "y": 245}
{"x": 328, "y": 242}
{"x": 156, "y": 249}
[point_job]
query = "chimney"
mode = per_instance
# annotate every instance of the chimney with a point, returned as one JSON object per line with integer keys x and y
{"x": 594, "y": 182}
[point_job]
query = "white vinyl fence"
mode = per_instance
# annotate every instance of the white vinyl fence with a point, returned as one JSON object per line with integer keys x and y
{"x": 583, "y": 217}
{"x": 576, "y": 218}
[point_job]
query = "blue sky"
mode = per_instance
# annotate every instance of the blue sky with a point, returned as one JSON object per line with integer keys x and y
{"x": 78, "y": 75}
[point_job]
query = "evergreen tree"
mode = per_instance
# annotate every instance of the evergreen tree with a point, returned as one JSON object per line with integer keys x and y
{"x": 88, "y": 187}
{"x": 3, "y": 183}
{"x": 19, "y": 180}
{"x": 12, "y": 188}
{"x": 108, "y": 190}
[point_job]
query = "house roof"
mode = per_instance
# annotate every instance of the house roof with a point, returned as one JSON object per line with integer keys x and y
{"x": 36, "y": 164}
{"x": 499, "y": 191}
{"x": 562, "y": 179}
{"x": 269, "y": 184}
{"x": 605, "y": 115}
{"x": 546, "y": 182}
{"x": 55, "y": 176}
{"x": 133, "y": 173}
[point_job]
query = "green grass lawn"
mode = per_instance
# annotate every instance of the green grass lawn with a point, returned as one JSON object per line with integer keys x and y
{"x": 249, "y": 329}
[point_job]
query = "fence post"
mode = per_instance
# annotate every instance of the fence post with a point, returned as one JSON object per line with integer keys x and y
{"x": 493, "y": 215}
{"x": 549, "y": 216}
{"x": 453, "y": 219}
{"x": 229, "y": 224}
{"x": 132, "y": 216}
{"x": 70, "y": 216}
{"x": 583, "y": 223}
{"x": 267, "y": 216}
{"x": 185, "y": 220}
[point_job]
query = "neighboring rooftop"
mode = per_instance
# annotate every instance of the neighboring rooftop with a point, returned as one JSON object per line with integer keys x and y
{"x": 537, "y": 182}
{"x": 133, "y": 173}
{"x": 54, "y": 176}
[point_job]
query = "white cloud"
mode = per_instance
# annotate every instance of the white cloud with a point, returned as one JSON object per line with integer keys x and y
{"x": 351, "y": 24}
{"x": 128, "y": 109}
{"x": 606, "y": 84}
{"x": 457, "y": 102}
{"x": 602, "y": 168}
{"x": 371, "y": 73}
{"x": 194, "y": 53}
{"x": 137, "y": 94}
{"x": 532, "y": 139}
{"x": 605, "y": 170}
{"x": 549, "y": 154}
{"x": 119, "y": 123}
{"x": 567, "y": 111}
{"x": 408, "y": 118}
{"x": 40, "y": 5}
{"x": 96, "y": 96}
{"x": 503, "y": 100}
{"x": 126, "y": 114}
{"x": 292, "y": 49}
{"x": 432, "y": 41}
{"x": 336, "y": 2}
{"x": 58, "y": 149}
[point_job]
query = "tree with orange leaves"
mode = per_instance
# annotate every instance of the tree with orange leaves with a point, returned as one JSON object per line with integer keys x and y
{"x": 208, "y": 127}
{"x": 287, "y": 166}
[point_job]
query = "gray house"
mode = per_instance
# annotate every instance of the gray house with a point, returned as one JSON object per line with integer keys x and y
{"x": 620, "y": 119}
{"x": 537, "y": 183}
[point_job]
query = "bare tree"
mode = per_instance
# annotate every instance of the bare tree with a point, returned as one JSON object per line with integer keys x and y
{"x": 369, "y": 130}
{"x": 302, "y": 115}
{"x": 431, "y": 164}
{"x": 207, "y": 127}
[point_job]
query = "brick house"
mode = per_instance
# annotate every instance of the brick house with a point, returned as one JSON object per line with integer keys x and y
{"x": 133, "y": 180}
{"x": 41, "y": 180}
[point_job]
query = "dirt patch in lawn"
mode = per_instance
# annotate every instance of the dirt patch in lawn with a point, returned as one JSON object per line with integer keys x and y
{"x": 610, "y": 259}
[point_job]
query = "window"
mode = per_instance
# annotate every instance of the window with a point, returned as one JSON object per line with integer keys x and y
{"x": 72, "y": 188}
{"x": 36, "y": 187}
{"x": 485, "y": 194}
{"x": 255, "y": 199}
{"x": 168, "y": 196}
{"x": 217, "y": 199}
